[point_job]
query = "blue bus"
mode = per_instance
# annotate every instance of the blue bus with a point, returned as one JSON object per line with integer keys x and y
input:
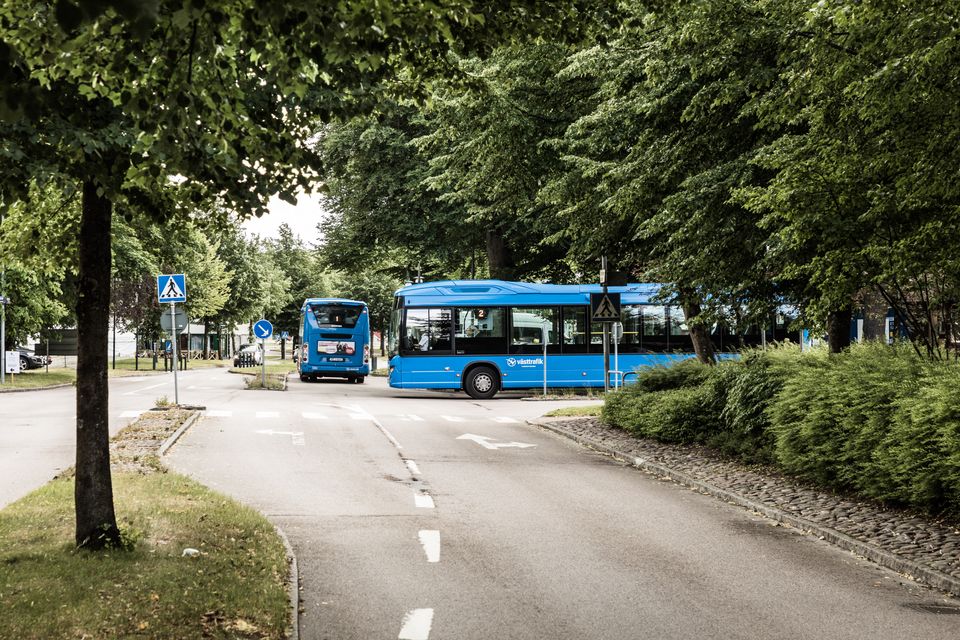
{"x": 482, "y": 336}
{"x": 335, "y": 339}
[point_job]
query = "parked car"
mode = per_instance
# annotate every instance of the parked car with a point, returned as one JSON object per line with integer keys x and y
{"x": 247, "y": 355}
{"x": 30, "y": 360}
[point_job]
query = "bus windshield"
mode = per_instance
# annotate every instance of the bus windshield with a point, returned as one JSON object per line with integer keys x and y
{"x": 336, "y": 315}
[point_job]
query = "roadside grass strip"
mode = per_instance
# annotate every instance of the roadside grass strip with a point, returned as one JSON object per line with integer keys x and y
{"x": 274, "y": 381}
{"x": 234, "y": 587}
{"x": 589, "y": 410}
{"x": 39, "y": 379}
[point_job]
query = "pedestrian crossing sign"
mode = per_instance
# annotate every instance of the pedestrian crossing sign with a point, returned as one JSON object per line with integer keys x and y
{"x": 605, "y": 307}
{"x": 172, "y": 287}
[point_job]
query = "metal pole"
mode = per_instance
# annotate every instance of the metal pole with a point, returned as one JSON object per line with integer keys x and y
{"x": 606, "y": 331}
{"x": 263, "y": 363}
{"x": 545, "y": 338}
{"x": 174, "y": 344}
{"x": 3, "y": 336}
{"x": 616, "y": 354}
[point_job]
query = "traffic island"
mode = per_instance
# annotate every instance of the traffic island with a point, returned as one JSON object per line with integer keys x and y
{"x": 272, "y": 382}
{"x": 194, "y": 564}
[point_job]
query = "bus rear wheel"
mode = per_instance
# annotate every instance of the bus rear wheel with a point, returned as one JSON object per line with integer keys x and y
{"x": 481, "y": 383}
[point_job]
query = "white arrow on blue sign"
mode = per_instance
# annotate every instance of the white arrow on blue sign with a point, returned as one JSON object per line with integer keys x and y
{"x": 263, "y": 329}
{"x": 172, "y": 287}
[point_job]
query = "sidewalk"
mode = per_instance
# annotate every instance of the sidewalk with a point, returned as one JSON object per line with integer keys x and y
{"x": 923, "y": 548}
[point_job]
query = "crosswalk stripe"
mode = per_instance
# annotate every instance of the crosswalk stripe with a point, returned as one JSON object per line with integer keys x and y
{"x": 505, "y": 420}
{"x": 452, "y": 418}
{"x": 313, "y": 416}
{"x": 131, "y": 414}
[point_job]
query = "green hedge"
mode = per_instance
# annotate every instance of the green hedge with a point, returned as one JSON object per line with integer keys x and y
{"x": 877, "y": 420}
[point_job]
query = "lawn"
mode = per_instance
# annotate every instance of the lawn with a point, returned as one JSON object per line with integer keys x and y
{"x": 588, "y": 410}
{"x": 233, "y": 587}
{"x": 39, "y": 378}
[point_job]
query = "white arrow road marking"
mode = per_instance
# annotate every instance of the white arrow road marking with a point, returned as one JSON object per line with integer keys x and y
{"x": 431, "y": 544}
{"x": 220, "y": 414}
{"x": 295, "y": 436}
{"x": 416, "y": 625}
{"x": 131, "y": 414}
{"x": 314, "y": 416}
{"x": 484, "y": 442}
{"x": 268, "y": 414}
{"x": 414, "y": 469}
{"x": 452, "y": 418}
{"x": 505, "y": 420}
{"x": 423, "y": 501}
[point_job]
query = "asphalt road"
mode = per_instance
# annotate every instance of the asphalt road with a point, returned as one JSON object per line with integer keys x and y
{"x": 419, "y": 515}
{"x": 38, "y": 428}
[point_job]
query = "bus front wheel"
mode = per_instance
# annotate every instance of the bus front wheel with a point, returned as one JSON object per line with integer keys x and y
{"x": 481, "y": 383}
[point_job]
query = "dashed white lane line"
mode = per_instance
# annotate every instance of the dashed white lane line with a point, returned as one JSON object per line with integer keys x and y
{"x": 430, "y": 540}
{"x": 220, "y": 414}
{"x": 131, "y": 414}
{"x": 505, "y": 420}
{"x": 452, "y": 418}
{"x": 423, "y": 501}
{"x": 416, "y": 625}
{"x": 136, "y": 391}
{"x": 309, "y": 415}
{"x": 268, "y": 414}
{"x": 414, "y": 469}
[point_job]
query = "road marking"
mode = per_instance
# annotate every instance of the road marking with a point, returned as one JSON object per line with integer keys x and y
{"x": 268, "y": 414}
{"x": 414, "y": 418}
{"x": 484, "y": 442}
{"x": 423, "y": 501}
{"x": 414, "y": 469}
{"x": 416, "y": 625}
{"x": 136, "y": 391}
{"x": 314, "y": 416}
{"x": 431, "y": 544}
{"x": 131, "y": 414}
{"x": 505, "y": 420}
{"x": 452, "y": 418}
{"x": 296, "y": 437}
{"x": 220, "y": 414}
{"x": 387, "y": 433}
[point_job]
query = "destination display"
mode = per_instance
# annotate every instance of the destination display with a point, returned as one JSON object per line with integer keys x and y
{"x": 337, "y": 347}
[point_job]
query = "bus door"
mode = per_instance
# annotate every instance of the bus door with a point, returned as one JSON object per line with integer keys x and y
{"x": 426, "y": 340}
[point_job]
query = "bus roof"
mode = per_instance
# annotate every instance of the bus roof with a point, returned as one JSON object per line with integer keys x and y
{"x": 493, "y": 292}
{"x": 330, "y": 301}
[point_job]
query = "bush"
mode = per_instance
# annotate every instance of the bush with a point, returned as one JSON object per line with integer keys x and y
{"x": 833, "y": 413}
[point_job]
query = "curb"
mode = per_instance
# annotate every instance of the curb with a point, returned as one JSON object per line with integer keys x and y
{"x": 56, "y": 386}
{"x": 293, "y": 585}
{"x": 169, "y": 442}
{"x": 915, "y": 571}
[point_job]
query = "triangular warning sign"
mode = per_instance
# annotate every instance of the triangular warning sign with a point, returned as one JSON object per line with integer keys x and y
{"x": 606, "y": 310}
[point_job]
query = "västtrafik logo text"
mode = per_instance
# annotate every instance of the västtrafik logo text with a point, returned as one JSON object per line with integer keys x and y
{"x": 512, "y": 362}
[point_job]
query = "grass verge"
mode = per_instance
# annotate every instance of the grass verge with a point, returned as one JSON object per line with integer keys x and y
{"x": 274, "y": 381}
{"x": 589, "y": 410}
{"x": 39, "y": 379}
{"x": 234, "y": 588}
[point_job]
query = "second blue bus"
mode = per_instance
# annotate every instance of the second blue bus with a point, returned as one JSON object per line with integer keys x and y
{"x": 483, "y": 336}
{"x": 335, "y": 340}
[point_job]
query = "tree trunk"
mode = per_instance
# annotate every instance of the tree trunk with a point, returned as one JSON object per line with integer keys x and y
{"x": 838, "y": 329}
{"x": 502, "y": 266}
{"x": 93, "y": 492}
{"x": 874, "y": 315}
{"x": 699, "y": 335}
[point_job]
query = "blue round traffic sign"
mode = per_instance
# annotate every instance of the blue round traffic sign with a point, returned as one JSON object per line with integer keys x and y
{"x": 263, "y": 329}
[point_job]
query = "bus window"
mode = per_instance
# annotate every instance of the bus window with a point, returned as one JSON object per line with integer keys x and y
{"x": 679, "y": 333}
{"x": 631, "y": 317}
{"x": 575, "y": 337}
{"x": 528, "y": 325}
{"x": 427, "y": 330}
{"x": 481, "y": 331}
{"x": 331, "y": 316}
{"x": 655, "y": 328}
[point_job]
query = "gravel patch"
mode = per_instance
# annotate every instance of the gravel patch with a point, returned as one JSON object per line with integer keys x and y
{"x": 922, "y": 547}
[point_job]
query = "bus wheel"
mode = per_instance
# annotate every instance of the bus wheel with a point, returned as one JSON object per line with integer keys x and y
{"x": 360, "y": 379}
{"x": 304, "y": 377}
{"x": 481, "y": 383}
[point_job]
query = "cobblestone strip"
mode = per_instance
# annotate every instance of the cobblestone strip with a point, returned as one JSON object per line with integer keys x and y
{"x": 923, "y": 548}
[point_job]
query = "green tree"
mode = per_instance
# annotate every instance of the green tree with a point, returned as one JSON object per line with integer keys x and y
{"x": 376, "y": 289}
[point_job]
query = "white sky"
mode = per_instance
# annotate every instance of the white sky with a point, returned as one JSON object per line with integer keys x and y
{"x": 302, "y": 218}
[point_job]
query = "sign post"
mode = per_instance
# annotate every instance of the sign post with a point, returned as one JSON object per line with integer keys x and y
{"x": 263, "y": 330}
{"x": 605, "y": 308}
{"x": 172, "y": 288}
{"x": 3, "y": 339}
